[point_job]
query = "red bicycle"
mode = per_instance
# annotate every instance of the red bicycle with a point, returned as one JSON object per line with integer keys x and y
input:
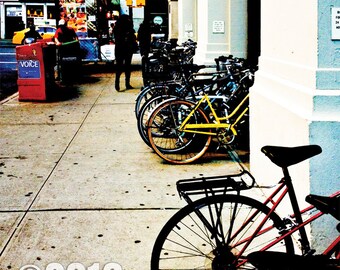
{"x": 219, "y": 227}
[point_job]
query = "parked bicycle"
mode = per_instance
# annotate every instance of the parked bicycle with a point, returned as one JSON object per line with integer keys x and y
{"x": 162, "y": 64}
{"x": 190, "y": 89}
{"x": 189, "y": 76}
{"x": 180, "y": 131}
{"x": 226, "y": 87}
{"x": 219, "y": 227}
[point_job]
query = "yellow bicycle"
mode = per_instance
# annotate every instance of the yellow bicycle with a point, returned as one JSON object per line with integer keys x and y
{"x": 180, "y": 131}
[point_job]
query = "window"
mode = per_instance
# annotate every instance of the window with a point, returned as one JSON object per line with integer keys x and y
{"x": 35, "y": 11}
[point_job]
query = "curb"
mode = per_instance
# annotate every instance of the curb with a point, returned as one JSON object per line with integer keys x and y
{"x": 9, "y": 98}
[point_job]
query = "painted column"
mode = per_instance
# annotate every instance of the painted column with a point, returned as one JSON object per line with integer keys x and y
{"x": 187, "y": 28}
{"x": 173, "y": 19}
{"x": 2, "y": 19}
{"x": 221, "y": 29}
{"x": 296, "y": 96}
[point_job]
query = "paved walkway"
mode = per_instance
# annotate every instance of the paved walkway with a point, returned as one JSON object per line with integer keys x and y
{"x": 77, "y": 184}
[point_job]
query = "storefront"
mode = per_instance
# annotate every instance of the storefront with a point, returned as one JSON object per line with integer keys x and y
{"x": 16, "y": 16}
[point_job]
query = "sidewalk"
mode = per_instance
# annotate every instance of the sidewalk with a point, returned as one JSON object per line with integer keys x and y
{"x": 78, "y": 185}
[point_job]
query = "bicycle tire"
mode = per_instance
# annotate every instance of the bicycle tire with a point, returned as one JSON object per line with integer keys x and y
{"x": 167, "y": 141}
{"x": 148, "y": 93}
{"x": 186, "y": 243}
{"x": 144, "y": 114}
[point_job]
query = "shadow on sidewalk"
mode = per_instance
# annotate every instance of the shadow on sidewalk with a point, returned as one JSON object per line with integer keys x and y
{"x": 8, "y": 83}
{"x": 104, "y": 68}
{"x": 60, "y": 92}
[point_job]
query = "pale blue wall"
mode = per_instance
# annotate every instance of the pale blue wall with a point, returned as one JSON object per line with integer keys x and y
{"x": 329, "y": 50}
{"x": 325, "y": 168}
{"x": 327, "y": 107}
{"x": 325, "y": 177}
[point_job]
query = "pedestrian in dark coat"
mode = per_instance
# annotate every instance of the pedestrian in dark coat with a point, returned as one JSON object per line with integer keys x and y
{"x": 144, "y": 38}
{"x": 125, "y": 41}
{"x": 32, "y": 33}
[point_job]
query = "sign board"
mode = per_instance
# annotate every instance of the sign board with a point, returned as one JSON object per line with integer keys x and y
{"x": 29, "y": 69}
{"x": 158, "y": 20}
{"x": 336, "y": 23}
{"x": 91, "y": 18}
{"x": 218, "y": 27}
{"x": 188, "y": 27}
{"x": 14, "y": 11}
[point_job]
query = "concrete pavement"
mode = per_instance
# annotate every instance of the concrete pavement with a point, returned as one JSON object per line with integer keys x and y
{"x": 78, "y": 185}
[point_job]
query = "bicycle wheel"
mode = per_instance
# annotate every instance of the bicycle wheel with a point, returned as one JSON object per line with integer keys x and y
{"x": 148, "y": 93}
{"x": 145, "y": 112}
{"x": 162, "y": 88}
{"x": 169, "y": 143}
{"x": 212, "y": 233}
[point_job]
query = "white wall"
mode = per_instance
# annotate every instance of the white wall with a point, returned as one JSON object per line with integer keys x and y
{"x": 187, "y": 21}
{"x": 282, "y": 97}
{"x": 295, "y": 99}
{"x": 233, "y": 38}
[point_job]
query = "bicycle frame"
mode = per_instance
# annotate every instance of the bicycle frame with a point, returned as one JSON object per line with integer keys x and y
{"x": 282, "y": 190}
{"x": 219, "y": 122}
{"x": 286, "y": 231}
{"x": 275, "y": 199}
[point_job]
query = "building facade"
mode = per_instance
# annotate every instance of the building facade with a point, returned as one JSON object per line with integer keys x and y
{"x": 296, "y": 96}
{"x": 16, "y": 15}
{"x": 219, "y": 27}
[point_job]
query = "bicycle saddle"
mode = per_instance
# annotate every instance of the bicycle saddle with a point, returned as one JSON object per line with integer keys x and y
{"x": 328, "y": 205}
{"x": 287, "y": 156}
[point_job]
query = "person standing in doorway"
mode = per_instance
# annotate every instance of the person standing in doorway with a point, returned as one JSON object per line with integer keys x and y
{"x": 144, "y": 38}
{"x": 111, "y": 33}
{"x": 125, "y": 41}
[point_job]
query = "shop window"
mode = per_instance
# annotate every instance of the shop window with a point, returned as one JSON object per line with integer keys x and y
{"x": 50, "y": 12}
{"x": 35, "y": 11}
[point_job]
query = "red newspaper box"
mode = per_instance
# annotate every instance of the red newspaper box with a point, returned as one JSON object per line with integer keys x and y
{"x": 35, "y": 70}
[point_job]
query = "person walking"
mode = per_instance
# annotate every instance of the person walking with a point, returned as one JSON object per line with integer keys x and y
{"x": 125, "y": 41}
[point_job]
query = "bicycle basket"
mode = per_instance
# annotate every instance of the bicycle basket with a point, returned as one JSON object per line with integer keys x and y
{"x": 215, "y": 185}
{"x": 156, "y": 69}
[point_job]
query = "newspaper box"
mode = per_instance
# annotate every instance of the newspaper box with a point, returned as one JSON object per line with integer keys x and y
{"x": 107, "y": 52}
{"x": 35, "y": 70}
{"x": 69, "y": 61}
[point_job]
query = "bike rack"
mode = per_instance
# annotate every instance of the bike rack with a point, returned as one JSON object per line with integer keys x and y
{"x": 215, "y": 185}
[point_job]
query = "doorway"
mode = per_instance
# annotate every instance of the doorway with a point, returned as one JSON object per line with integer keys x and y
{"x": 13, "y": 20}
{"x": 254, "y": 31}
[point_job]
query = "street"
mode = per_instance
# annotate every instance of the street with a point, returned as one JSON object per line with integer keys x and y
{"x": 8, "y": 69}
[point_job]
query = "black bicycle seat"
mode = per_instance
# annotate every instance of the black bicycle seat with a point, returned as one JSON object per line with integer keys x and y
{"x": 287, "y": 156}
{"x": 328, "y": 205}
